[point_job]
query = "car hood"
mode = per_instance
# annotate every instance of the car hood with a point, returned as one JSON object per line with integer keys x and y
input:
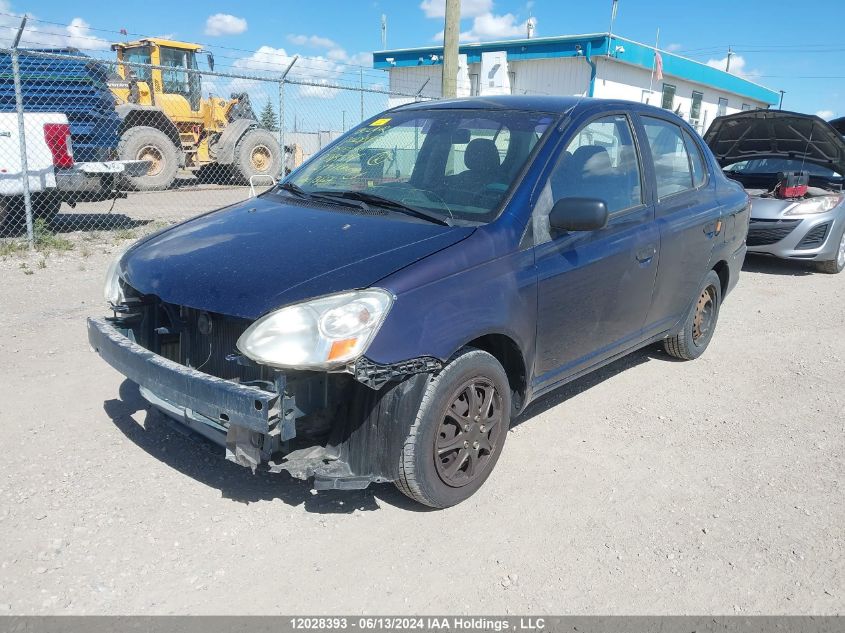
{"x": 267, "y": 252}
{"x": 775, "y": 133}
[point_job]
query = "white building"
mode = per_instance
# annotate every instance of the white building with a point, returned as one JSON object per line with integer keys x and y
{"x": 595, "y": 65}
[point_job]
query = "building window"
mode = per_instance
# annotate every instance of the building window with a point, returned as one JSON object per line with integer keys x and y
{"x": 746, "y": 106}
{"x": 668, "y": 96}
{"x": 695, "y": 108}
{"x": 723, "y": 107}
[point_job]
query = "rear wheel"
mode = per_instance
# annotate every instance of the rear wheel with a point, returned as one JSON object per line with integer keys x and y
{"x": 45, "y": 206}
{"x": 257, "y": 153}
{"x": 698, "y": 326}
{"x": 152, "y": 145}
{"x": 459, "y": 431}
{"x": 837, "y": 265}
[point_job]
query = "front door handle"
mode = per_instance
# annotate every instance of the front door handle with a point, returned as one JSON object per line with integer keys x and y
{"x": 645, "y": 255}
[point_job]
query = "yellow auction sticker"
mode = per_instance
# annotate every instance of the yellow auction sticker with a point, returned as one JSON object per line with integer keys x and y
{"x": 378, "y": 122}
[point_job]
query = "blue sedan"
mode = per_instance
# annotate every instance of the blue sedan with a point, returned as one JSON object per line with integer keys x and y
{"x": 386, "y": 311}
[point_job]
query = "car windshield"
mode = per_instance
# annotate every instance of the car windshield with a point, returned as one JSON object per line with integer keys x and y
{"x": 454, "y": 164}
{"x": 777, "y": 165}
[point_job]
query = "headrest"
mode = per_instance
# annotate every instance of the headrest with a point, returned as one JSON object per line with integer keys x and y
{"x": 481, "y": 155}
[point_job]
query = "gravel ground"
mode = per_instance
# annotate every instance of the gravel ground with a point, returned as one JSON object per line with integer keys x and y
{"x": 649, "y": 487}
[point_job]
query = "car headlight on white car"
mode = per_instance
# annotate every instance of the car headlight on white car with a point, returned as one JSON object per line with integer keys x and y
{"x": 318, "y": 334}
{"x": 112, "y": 290}
{"x": 811, "y": 206}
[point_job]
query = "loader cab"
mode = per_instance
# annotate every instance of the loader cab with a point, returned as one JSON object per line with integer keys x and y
{"x": 175, "y": 78}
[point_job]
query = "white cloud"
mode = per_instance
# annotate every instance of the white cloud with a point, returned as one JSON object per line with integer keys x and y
{"x": 674, "y": 47}
{"x": 224, "y": 24}
{"x": 489, "y": 26}
{"x": 737, "y": 66}
{"x": 469, "y": 8}
{"x": 314, "y": 41}
{"x": 77, "y": 34}
{"x": 827, "y": 115}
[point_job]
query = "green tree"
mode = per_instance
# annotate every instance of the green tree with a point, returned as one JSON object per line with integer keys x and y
{"x": 268, "y": 118}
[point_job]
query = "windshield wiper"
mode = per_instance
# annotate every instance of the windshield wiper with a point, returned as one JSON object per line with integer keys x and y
{"x": 294, "y": 189}
{"x": 323, "y": 196}
{"x": 387, "y": 203}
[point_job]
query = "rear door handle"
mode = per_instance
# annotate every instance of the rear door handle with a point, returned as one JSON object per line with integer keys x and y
{"x": 645, "y": 255}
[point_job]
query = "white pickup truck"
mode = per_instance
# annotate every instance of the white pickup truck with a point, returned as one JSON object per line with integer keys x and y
{"x": 51, "y": 171}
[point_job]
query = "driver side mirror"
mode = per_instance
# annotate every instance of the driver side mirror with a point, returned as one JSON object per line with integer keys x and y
{"x": 578, "y": 214}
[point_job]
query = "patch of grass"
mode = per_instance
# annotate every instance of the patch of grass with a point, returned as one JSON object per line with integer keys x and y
{"x": 46, "y": 240}
{"x": 126, "y": 234}
{"x": 42, "y": 263}
{"x": 10, "y": 247}
{"x": 26, "y": 269}
{"x": 85, "y": 252}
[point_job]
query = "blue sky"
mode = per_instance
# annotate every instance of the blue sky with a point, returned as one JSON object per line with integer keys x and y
{"x": 800, "y": 50}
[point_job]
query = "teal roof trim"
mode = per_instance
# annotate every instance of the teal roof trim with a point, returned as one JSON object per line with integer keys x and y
{"x": 635, "y": 53}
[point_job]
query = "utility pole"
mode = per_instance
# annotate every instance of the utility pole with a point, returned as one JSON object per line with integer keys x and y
{"x": 780, "y": 106}
{"x": 383, "y": 32}
{"x": 451, "y": 32}
{"x": 728, "y": 64}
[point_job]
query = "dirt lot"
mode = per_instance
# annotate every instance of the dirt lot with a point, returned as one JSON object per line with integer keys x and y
{"x": 650, "y": 487}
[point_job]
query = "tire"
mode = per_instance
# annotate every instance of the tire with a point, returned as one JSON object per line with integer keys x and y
{"x": 12, "y": 216}
{"x": 148, "y": 143}
{"x": 700, "y": 323}
{"x": 423, "y": 466}
{"x": 45, "y": 206}
{"x": 836, "y": 265}
{"x": 257, "y": 153}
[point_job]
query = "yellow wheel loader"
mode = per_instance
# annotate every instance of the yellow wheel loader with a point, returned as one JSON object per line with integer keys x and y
{"x": 166, "y": 121}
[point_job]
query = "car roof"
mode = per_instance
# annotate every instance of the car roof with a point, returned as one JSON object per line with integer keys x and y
{"x": 529, "y": 103}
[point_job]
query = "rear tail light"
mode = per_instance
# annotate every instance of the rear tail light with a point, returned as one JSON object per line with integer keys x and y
{"x": 57, "y": 136}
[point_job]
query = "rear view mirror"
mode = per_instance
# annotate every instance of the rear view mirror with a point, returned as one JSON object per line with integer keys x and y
{"x": 578, "y": 214}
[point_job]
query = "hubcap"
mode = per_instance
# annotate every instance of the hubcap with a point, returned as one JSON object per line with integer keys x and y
{"x": 469, "y": 434}
{"x": 705, "y": 313}
{"x": 261, "y": 157}
{"x": 840, "y": 258}
{"x": 154, "y": 155}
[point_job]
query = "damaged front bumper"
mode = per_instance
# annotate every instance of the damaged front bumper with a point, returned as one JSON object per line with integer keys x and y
{"x": 259, "y": 426}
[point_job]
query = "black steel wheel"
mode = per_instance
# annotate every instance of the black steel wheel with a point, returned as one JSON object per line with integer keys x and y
{"x": 459, "y": 431}
{"x": 697, "y": 328}
{"x": 469, "y": 432}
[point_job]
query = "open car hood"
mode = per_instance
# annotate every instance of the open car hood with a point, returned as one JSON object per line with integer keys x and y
{"x": 776, "y": 134}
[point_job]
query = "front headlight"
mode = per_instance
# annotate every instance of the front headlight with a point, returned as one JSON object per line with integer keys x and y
{"x": 112, "y": 291}
{"x": 318, "y": 334}
{"x": 810, "y": 206}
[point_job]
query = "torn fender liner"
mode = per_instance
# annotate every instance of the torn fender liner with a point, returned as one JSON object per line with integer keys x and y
{"x": 372, "y": 437}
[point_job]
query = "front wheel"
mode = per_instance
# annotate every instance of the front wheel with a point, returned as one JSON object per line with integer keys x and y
{"x": 459, "y": 431}
{"x": 697, "y": 328}
{"x": 836, "y": 265}
{"x": 258, "y": 153}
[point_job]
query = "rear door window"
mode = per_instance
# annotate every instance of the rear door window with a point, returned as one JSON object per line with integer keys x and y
{"x": 672, "y": 168}
{"x": 699, "y": 175}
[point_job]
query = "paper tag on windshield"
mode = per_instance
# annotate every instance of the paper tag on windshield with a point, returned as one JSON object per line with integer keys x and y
{"x": 378, "y": 122}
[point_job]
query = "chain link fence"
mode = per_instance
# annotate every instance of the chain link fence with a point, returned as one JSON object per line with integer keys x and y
{"x": 147, "y": 138}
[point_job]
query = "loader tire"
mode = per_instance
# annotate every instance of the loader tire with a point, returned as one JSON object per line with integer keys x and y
{"x": 257, "y": 153}
{"x": 148, "y": 143}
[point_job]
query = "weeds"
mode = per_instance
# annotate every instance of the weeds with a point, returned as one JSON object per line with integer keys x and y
{"x": 46, "y": 240}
